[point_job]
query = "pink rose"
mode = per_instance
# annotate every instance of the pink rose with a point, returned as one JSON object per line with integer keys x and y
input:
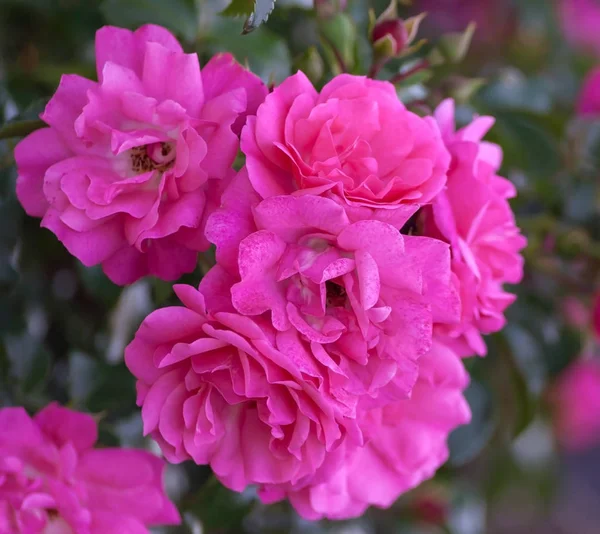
{"x": 360, "y": 298}
{"x": 576, "y": 400}
{"x": 496, "y": 20}
{"x": 575, "y": 312}
{"x": 233, "y": 392}
{"x": 596, "y": 316}
{"x": 588, "y": 103}
{"x": 580, "y": 20}
{"x": 406, "y": 442}
{"x": 52, "y": 480}
{"x": 131, "y": 166}
{"x": 354, "y": 141}
{"x": 473, "y": 215}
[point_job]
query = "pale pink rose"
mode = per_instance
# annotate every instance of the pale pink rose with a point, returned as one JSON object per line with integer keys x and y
{"x": 406, "y": 442}
{"x": 360, "y": 298}
{"x": 473, "y": 215}
{"x": 576, "y": 401}
{"x": 233, "y": 392}
{"x": 588, "y": 103}
{"x": 354, "y": 141}
{"x": 52, "y": 480}
{"x": 131, "y": 166}
{"x": 580, "y": 20}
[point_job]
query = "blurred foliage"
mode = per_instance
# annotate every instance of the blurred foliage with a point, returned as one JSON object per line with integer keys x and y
{"x": 63, "y": 327}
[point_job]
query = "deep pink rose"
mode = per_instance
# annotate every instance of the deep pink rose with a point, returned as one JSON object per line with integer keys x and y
{"x": 406, "y": 442}
{"x": 576, "y": 400}
{"x": 354, "y": 141}
{"x": 233, "y": 392}
{"x": 588, "y": 103}
{"x": 52, "y": 480}
{"x": 596, "y": 315}
{"x": 580, "y": 20}
{"x": 473, "y": 215}
{"x": 360, "y": 298}
{"x": 131, "y": 166}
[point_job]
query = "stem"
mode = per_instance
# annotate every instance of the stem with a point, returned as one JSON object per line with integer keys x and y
{"x": 375, "y": 68}
{"x": 336, "y": 53}
{"x": 407, "y": 74}
{"x": 20, "y": 129}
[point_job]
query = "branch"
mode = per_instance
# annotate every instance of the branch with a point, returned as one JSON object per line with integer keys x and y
{"x": 20, "y": 128}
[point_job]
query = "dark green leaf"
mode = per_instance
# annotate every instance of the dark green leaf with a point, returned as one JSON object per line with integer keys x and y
{"x": 338, "y": 35}
{"x": 466, "y": 442}
{"x": 11, "y": 217}
{"x": 511, "y": 378}
{"x": 114, "y": 390}
{"x": 219, "y": 509}
{"x": 34, "y": 110}
{"x": 98, "y": 285}
{"x": 177, "y": 15}
{"x": 8, "y": 275}
{"x": 30, "y": 362}
{"x": 98, "y": 386}
{"x": 83, "y": 376}
{"x": 266, "y": 53}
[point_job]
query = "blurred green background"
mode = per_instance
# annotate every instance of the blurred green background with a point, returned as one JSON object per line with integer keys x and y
{"x": 63, "y": 327}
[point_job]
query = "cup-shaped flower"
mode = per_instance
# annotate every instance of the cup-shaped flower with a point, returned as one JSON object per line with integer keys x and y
{"x": 580, "y": 20}
{"x": 354, "y": 140}
{"x": 52, "y": 480}
{"x": 360, "y": 298}
{"x": 219, "y": 389}
{"x": 129, "y": 167}
{"x": 405, "y": 443}
{"x": 576, "y": 401}
{"x": 473, "y": 215}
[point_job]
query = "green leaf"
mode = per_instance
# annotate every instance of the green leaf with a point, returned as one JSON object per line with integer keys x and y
{"x": 454, "y": 46}
{"x": 515, "y": 371}
{"x": 527, "y": 142}
{"x": 257, "y": 11}
{"x": 178, "y": 15}
{"x": 33, "y": 111}
{"x": 98, "y": 285}
{"x": 29, "y": 362}
{"x": 311, "y": 63}
{"x": 339, "y": 36}
{"x": 265, "y": 52}
{"x": 98, "y": 386}
{"x": 262, "y": 10}
{"x": 237, "y": 8}
{"x": 8, "y": 276}
{"x": 114, "y": 390}
{"x": 466, "y": 442}
{"x": 219, "y": 509}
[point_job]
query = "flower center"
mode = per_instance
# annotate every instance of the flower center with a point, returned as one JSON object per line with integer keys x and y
{"x": 413, "y": 226}
{"x": 156, "y": 156}
{"x": 336, "y": 295}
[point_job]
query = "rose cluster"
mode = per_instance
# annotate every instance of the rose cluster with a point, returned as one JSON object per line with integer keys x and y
{"x": 361, "y": 251}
